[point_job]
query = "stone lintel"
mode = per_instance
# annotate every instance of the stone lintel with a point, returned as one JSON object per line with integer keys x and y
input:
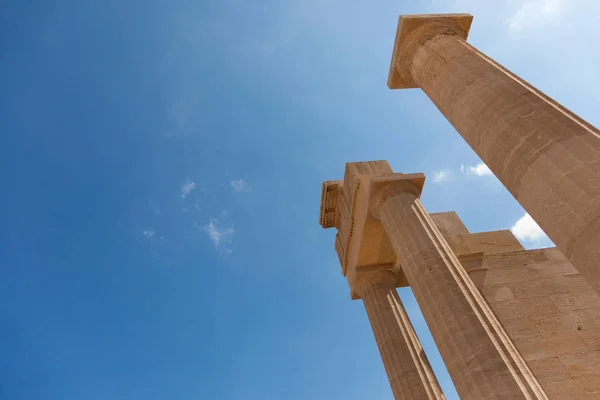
{"x": 449, "y": 223}
{"x": 414, "y": 30}
{"x": 471, "y": 261}
{"x": 493, "y": 242}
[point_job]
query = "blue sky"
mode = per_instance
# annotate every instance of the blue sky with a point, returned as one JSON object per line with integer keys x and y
{"x": 161, "y": 166}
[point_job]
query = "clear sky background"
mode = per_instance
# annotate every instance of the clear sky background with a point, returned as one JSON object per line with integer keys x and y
{"x": 161, "y": 166}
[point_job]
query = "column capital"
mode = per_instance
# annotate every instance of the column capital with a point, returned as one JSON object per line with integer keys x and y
{"x": 382, "y": 188}
{"x": 384, "y": 277}
{"x": 413, "y": 31}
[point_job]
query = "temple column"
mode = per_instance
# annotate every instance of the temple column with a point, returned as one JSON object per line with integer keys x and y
{"x": 479, "y": 355}
{"x": 405, "y": 363}
{"x": 546, "y": 156}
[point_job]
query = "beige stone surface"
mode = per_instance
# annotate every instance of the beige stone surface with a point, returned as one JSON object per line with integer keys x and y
{"x": 406, "y": 365}
{"x": 413, "y": 31}
{"x": 551, "y": 314}
{"x": 369, "y": 264}
{"x": 545, "y": 155}
{"x": 549, "y": 370}
{"x": 382, "y": 228}
{"x": 481, "y": 359}
{"x": 509, "y": 323}
{"x": 591, "y": 338}
{"x": 449, "y": 224}
{"x": 484, "y": 242}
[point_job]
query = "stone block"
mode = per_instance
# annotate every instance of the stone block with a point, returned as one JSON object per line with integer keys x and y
{"x": 520, "y": 328}
{"x": 588, "y": 386}
{"x": 591, "y": 338}
{"x": 554, "y": 253}
{"x": 580, "y": 364}
{"x": 554, "y": 267}
{"x": 563, "y": 390}
{"x": 449, "y": 223}
{"x": 523, "y": 308}
{"x": 493, "y": 242}
{"x": 501, "y": 276}
{"x": 576, "y": 300}
{"x": 560, "y": 344}
{"x": 564, "y": 322}
{"x": 548, "y": 286}
{"x": 497, "y": 293}
{"x": 549, "y": 370}
{"x": 515, "y": 258}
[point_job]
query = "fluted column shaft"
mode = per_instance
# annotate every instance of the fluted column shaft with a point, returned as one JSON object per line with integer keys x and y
{"x": 546, "y": 156}
{"x": 405, "y": 363}
{"x": 479, "y": 355}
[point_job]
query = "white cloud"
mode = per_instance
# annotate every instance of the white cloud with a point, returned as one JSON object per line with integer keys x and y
{"x": 527, "y": 230}
{"x": 217, "y": 233}
{"x": 187, "y": 187}
{"x": 445, "y": 175}
{"x": 238, "y": 185}
{"x": 441, "y": 176}
{"x": 149, "y": 233}
{"x": 480, "y": 170}
{"x": 534, "y": 13}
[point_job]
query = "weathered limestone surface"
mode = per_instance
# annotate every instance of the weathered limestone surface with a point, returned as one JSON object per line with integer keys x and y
{"x": 480, "y": 357}
{"x": 553, "y": 316}
{"x": 369, "y": 264}
{"x": 382, "y": 228}
{"x": 546, "y": 156}
{"x": 406, "y": 365}
{"x": 549, "y": 311}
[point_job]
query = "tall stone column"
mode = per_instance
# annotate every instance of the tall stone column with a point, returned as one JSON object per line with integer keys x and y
{"x": 546, "y": 156}
{"x": 479, "y": 355}
{"x": 405, "y": 363}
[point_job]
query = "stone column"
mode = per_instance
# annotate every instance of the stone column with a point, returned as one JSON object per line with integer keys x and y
{"x": 479, "y": 355}
{"x": 546, "y": 156}
{"x": 405, "y": 363}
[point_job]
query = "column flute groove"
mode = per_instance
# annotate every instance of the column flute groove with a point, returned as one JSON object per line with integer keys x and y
{"x": 415, "y": 348}
{"x": 407, "y": 367}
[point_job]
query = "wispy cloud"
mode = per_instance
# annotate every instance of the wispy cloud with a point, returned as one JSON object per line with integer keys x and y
{"x": 528, "y": 231}
{"x": 148, "y": 233}
{"x": 238, "y": 185}
{"x": 480, "y": 170}
{"x": 441, "y": 176}
{"x": 535, "y": 13}
{"x": 187, "y": 187}
{"x": 447, "y": 174}
{"x": 218, "y": 233}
